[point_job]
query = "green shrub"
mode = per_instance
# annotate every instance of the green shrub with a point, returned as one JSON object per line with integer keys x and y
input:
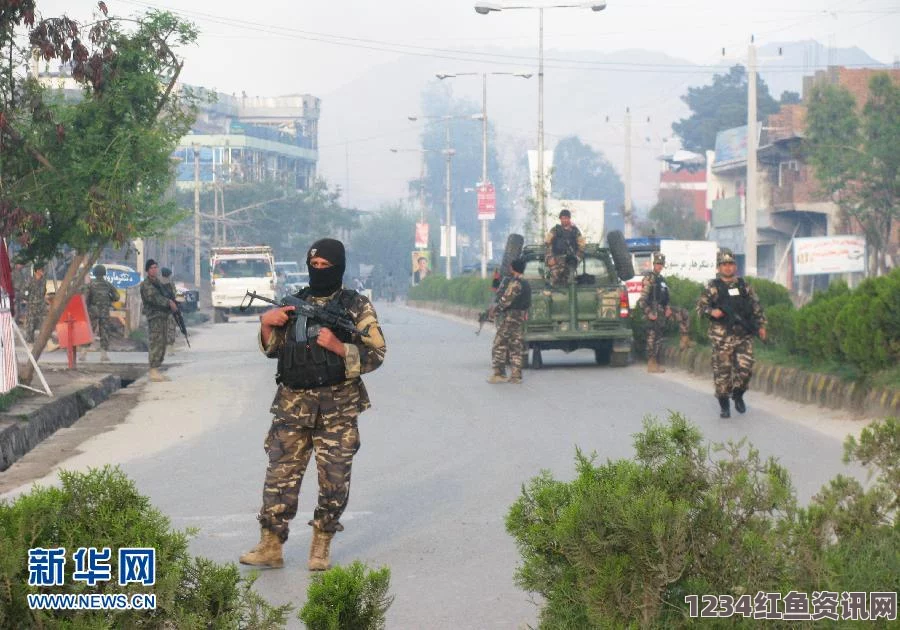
{"x": 770, "y": 293}
{"x": 102, "y": 508}
{"x": 868, "y": 326}
{"x": 780, "y": 327}
{"x": 466, "y": 290}
{"x": 348, "y": 597}
{"x": 814, "y": 332}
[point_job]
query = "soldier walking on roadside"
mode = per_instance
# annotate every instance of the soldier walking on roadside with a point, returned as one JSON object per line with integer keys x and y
{"x": 158, "y": 308}
{"x": 36, "y": 303}
{"x": 654, "y": 303}
{"x": 100, "y": 295}
{"x": 510, "y": 312}
{"x": 735, "y": 315}
{"x": 564, "y": 247}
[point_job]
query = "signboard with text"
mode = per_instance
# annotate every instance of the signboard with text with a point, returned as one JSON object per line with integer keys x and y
{"x": 487, "y": 202}
{"x": 829, "y": 254}
{"x": 421, "y": 235}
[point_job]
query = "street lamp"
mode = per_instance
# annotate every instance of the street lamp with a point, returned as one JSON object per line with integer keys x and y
{"x": 483, "y": 8}
{"x": 449, "y": 152}
{"x": 484, "y": 127}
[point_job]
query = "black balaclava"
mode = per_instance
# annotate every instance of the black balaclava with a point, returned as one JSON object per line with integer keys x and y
{"x": 324, "y": 282}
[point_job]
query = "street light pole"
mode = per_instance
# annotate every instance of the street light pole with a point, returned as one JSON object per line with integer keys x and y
{"x": 540, "y": 156}
{"x": 447, "y": 239}
{"x": 484, "y": 174}
{"x": 196, "y": 216}
{"x": 751, "y": 190}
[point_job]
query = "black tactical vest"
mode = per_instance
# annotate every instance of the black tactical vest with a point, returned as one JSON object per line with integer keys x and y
{"x": 660, "y": 291}
{"x": 304, "y": 365}
{"x": 522, "y": 302}
{"x": 565, "y": 242}
{"x": 740, "y": 304}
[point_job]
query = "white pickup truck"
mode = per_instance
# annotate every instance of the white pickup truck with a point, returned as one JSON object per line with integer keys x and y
{"x": 236, "y": 270}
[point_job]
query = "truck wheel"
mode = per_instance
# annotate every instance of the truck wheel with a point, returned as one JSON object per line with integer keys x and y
{"x": 619, "y": 359}
{"x": 620, "y": 255}
{"x": 219, "y": 316}
{"x": 603, "y": 355}
{"x": 525, "y": 362}
{"x": 514, "y": 245}
{"x": 537, "y": 361}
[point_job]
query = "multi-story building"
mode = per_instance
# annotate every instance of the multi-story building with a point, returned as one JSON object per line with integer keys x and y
{"x": 252, "y": 139}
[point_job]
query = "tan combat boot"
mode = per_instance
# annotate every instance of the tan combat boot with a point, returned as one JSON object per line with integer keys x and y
{"x": 267, "y": 553}
{"x": 686, "y": 343}
{"x": 497, "y": 378}
{"x": 104, "y": 358}
{"x": 320, "y": 550}
{"x": 652, "y": 366}
{"x": 157, "y": 376}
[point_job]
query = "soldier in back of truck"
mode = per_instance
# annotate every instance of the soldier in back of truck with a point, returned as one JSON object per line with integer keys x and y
{"x": 564, "y": 247}
{"x": 654, "y": 303}
{"x": 735, "y": 316}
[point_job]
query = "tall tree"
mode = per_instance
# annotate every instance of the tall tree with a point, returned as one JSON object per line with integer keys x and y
{"x": 465, "y": 140}
{"x": 80, "y": 176}
{"x": 720, "y": 105}
{"x": 673, "y": 216}
{"x": 855, "y": 157}
{"x": 580, "y": 172}
{"x": 385, "y": 239}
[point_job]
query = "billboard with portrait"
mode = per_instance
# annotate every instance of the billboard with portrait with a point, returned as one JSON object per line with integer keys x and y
{"x": 421, "y": 265}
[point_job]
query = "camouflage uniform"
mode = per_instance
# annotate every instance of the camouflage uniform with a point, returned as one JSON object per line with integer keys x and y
{"x": 20, "y": 285}
{"x": 561, "y": 243}
{"x": 100, "y": 295}
{"x": 323, "y": 419}
{"x": 509, "y": 342}
{"x": 156, "y": 308}
{"x": 732, "y": 346}
{"x": 650, "y": 305}
{"x": 36, "y": 306}
{"x": 169, "y": 286}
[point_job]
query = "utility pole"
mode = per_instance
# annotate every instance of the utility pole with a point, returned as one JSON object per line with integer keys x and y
{"x": 629, "y": 220}
{"x": 447, "y": 241}
{"x": 750, "y": 208}
{"x": 540, "y": 159}
{"x": 484, "y": 175}
{"x": 196, "y": 216}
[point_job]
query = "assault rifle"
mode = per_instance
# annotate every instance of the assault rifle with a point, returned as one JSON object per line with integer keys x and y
{"x": 488, "y": 315}
{"x": 304, "y": 312}
{"x": 733, "y": 318}
{"x": 168, "y": 292}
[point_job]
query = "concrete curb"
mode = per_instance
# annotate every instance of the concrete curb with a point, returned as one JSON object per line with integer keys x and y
{"x": 793, "y": 384}
{"x": 32, "y": 420}
{"x": 798, "y": 385}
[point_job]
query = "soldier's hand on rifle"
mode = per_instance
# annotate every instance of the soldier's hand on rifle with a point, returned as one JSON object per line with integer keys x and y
{"x": 652, "y": 317}
{"x": 717, "y": 313}
{"x": 276, "y": 317}
{"x": 571, "y": 259}
{"x": 668, "y": 311}
{"x": 173, "y": 306}
{"x": 762, "y": 334}
{"x": 327, "y": 340}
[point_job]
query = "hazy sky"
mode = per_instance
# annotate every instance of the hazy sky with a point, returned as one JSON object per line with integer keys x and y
{"x": 273, "y": 47}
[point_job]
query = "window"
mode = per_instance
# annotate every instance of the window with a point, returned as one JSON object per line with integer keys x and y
{"x": 242, "y": 268}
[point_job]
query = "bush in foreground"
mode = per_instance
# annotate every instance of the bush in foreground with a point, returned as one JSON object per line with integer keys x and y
{"x": 348, "y": 597}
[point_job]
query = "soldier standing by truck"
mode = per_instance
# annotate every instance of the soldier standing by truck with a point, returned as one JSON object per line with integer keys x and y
{"x": 735, "y": 316}
{"x": 657, "y": 310}
{"x": 509, "y": 342}
{"x": 564, "y": 248}
{"x": 100, "y": 295}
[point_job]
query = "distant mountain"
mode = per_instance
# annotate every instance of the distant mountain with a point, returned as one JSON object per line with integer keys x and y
{"x": 586, "y": 93}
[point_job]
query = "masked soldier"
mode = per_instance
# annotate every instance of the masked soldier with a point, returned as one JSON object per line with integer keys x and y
{"x": 513, "y": 302}
{"x": 158, "y": 307}
{"x": 36, "y": 303}
{"x": 99, "y": 296}
{"x": 319, "y": 398}
{"x": 564, "y": 247}
{"x": 654, "y": 303}
{"x": 735, "y": 316}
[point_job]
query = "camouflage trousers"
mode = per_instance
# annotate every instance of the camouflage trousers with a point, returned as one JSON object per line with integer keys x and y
{"x": 102, "y": 328}
{"x": 157, "y": 340}
{"x": 732, "y": 362}
{"x": 289, "y": 446}
{"x": 656, "y": 329}
{"x": 509, "y": 344}
{"x": 34, "y": 319}
{"x": 170, "y": 330}
{"x": 559, "y": 270}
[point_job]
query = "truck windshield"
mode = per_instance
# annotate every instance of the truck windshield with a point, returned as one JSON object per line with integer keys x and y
{"x": 242, "y": 268}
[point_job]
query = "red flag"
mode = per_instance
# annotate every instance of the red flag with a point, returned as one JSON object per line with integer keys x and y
{"x": 6, "y": 281}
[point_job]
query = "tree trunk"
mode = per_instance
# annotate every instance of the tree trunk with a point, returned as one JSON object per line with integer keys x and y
{"x": 74, "y": 277}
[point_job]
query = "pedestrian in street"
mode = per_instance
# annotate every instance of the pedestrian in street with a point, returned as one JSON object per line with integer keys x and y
{"x": 99, "y": 296}
{"x": 735, "y": 316}
{"x": 317, "y": 404}
{"x": 159, "y": 308}
{"x": 510, "y": 313}
{"x": 36, "y": 303}
{"x": 654, "y": 303}
{"x": 168, "y": 284}
{"x": 564, "y": 247}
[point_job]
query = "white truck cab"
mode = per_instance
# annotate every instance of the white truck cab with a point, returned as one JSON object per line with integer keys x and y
{"x": 236, "y": 270}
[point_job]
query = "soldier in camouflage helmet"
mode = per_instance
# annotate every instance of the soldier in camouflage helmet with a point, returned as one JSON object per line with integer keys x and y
{"x": 735, "y": 315}
{"x": 654, "y": 303}
{"x": 99, "y": 296}
{"x": 319, "y": 398}
{"x": 564, "y": 247}
{"x": 511, "y": 310}
{"x": 158, "y": 307}
{"x": 36, "y": 303}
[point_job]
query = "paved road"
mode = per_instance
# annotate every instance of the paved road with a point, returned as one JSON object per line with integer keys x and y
{"x": 443, "y": 456}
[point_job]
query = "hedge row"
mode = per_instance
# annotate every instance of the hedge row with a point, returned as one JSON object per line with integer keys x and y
{"x": 466, "y": 290}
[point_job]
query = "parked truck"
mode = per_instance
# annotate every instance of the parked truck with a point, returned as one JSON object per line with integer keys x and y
{"x": 236, "y": 270}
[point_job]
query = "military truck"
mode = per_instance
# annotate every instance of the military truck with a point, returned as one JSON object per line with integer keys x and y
{"x": 589, "y": 311}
